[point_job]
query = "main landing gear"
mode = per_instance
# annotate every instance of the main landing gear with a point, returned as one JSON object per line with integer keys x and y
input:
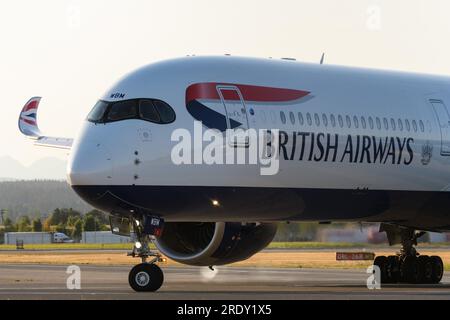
{"x": 408, "y": 266}
{"x": 146, "y": 276}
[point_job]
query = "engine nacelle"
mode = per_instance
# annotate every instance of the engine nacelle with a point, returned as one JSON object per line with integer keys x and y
{"x": 213, "y": 243}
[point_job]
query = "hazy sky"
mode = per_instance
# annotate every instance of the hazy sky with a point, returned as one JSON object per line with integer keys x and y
{"x": 70, "y": 51}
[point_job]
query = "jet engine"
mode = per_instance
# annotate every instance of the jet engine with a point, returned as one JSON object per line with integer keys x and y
{"x": 213, "y": 243}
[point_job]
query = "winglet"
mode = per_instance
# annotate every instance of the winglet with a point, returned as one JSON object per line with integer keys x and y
{"x": 28, "y": 118}
{"x": 29, "y": 127}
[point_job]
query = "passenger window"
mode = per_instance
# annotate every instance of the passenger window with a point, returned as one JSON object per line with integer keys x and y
{"x": 147, "y": 111}
{"x": 292, "y": 117}
{"x": 282, "y": 117}
{"x": 400, "y": 124}
{"x": 393, "y": 124}
{"x": 363, "y": 122}
{"x": 371, "y": 123}
{"x": 309, "y": 119}
{"x": 378, "y": 123}
{"x": 123, "y": 110}
{"x": 386, "y": 124}
{"x": 324, "y": 120}
{"x": 300, "y": 118}
{"x": 263, "y": 116}
{"x": 98, "y": 111}
{"x": 414, "y": 125}
{"x": 408, "y": 127}
{"x": 341, "y": 121}
{"x": 317, "y": 119}
{"x": 355, "y": 122}
{"x": 333, "y": 120}
{"x": 273, "y": 117}
{"x": 349, "y": 121}
{"x": 422, "y": 127}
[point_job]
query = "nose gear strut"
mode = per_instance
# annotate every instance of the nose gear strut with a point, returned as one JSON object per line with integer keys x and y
{"x": 146, "y": 276}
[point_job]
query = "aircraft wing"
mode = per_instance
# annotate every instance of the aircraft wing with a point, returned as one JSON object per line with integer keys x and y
{"x": 29, "y": 127}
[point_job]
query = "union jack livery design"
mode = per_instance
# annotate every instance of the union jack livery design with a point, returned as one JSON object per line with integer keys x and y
{"x": 28, "y": 118}
{"x": 29, "y": 127}
{"x": 224, "y": 105}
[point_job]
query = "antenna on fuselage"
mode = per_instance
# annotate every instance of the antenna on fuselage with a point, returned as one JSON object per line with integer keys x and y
{"x": 322, "y": 58}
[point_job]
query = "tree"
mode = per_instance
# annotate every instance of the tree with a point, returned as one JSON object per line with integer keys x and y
{"x": 36, "y": 225}
{"x": 90, "y": 223}
{"x": 101, "y": 217}
{"x": 105, "y": 227}
{"x": 77, "y": 230}
{"x": 24, "y": 224}
{"x": 9, "y": 226}
{"x": 61, "y": 228}
{"x": 47, "y": 225}
{"x": 61, "y": 216}
{"x": 72, "y": 220}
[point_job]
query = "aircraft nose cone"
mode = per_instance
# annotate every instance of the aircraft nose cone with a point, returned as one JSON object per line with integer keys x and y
{"x": 90, "y": 163}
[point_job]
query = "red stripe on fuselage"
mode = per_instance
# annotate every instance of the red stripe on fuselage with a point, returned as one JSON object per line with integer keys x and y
{"x": 230, "y": 95}
{"x": 208, "y": 90}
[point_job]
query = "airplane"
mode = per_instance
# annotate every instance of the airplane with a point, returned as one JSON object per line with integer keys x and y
{"x": 352, "y": 145}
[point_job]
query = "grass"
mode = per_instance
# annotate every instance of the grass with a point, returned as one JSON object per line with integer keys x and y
{"x": 126, "y": 246}
{"x": 265, "y": 259}
{"x": 273, "y": 245}
{"x": 315, "y": 245}
{"x": 71, "y": 246}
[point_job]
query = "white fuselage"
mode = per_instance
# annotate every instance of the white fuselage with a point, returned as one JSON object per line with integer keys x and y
{"x": 341, "y": 92}
{"x": 356, "y": 129}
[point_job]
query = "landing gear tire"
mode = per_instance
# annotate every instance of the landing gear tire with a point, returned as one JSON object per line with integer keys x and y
{"x": 392, "y": 269}
{"x": 389, "y": 268}
{"x": 438, "y": 269}
{"x": 425, "y": 266}
{"x": 381, "y": 262}
{"x": 409, "y": 270}
{"x": 146, "y": 277}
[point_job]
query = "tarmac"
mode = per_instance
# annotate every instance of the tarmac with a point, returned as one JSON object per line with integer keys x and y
{"x": 49, "y": 282}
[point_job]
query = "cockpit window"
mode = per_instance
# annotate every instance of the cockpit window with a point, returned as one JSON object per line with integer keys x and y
{"x": 155, "y": 111}
{"x": 148, "y": 112}
{"x": 98, "y": 111}
{"x": 122, "y": 110}
{"x": 165, "y": 111}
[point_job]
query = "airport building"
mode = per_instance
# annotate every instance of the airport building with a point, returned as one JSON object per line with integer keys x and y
{"x": 103, "y": 237}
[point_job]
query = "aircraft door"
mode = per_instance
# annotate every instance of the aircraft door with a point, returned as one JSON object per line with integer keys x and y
{"x": 236, "y": 114}
{"x": 443, "y": 117}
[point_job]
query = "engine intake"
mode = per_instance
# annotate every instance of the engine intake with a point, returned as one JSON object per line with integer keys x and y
{"x": 213, "y": 243}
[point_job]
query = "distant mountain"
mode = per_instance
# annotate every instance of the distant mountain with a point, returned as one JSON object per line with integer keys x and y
{"x": 46, "y": 169}
{"x": 38, "y": 198}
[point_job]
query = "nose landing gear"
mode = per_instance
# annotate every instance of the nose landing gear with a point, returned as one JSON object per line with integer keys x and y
{"x": 146, "y": 276}
{"x": 408, "y": 266}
